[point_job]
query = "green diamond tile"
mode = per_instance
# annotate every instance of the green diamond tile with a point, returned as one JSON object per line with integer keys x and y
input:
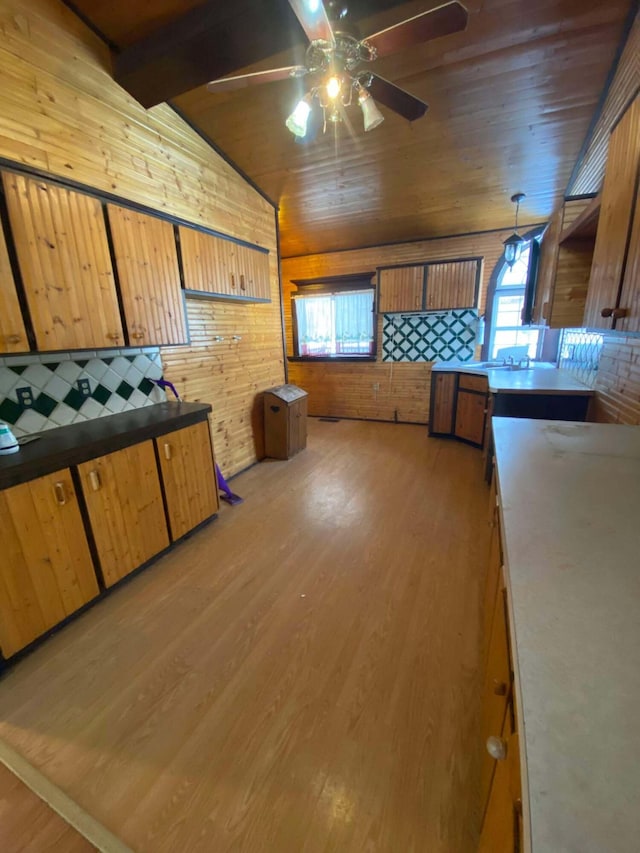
{"x": 10, "y": 411}
{"x": 82, "y": 363}
{"x": 146, "y": 386}
{"x": 44, "y": 404}
{"x": 101, "y": 394}
{"x": 130, "y": 358}
{"x": 18, "y": 368}
{"x": 106, "y": 360}
{"x": 74, "y": 399}
{"x": 125, "y": 390}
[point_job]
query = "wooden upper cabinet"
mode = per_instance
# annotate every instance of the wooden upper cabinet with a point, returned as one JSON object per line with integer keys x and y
{"x": 401, "y": 289}
{"x": 46, "y": 571}
{"x": 453, "y": 284}
{"x": 124, "y": 501}
{"x": 149, "y": 277}
{"x": 63, "y": 253}
{"x": 630, "y": 295}
{"x": 603, "y": 305}
{"x": 188, "y": 476}
{"x": 13, "y": 335}
{"x": 222, "y": 267}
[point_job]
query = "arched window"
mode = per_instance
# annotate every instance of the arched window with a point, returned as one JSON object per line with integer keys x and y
{"x": 506, "y": 331}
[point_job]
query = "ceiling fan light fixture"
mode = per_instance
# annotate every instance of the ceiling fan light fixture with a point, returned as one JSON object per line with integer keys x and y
{"x": 333, "y": 87}
{"x": 297, "y": 121}
{"x": 514, "y": 244}
{"x": 370, "y": 112}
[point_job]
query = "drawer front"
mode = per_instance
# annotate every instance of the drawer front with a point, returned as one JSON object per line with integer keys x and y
{"x": 473, "y": 383}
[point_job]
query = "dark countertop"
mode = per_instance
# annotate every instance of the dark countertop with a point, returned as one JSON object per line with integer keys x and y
{"x": 71, "y": 445}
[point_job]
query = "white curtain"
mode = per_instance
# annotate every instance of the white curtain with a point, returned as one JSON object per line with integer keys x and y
{"x": 335, "y": 323}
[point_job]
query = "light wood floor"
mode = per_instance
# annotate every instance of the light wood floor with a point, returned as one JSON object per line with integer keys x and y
{"x": 302, "y": 675}
{"x": 28, "y": 825}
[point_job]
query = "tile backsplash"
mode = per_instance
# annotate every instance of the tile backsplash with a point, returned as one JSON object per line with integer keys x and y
{"x": 580, "y": 353}
{"x": 430, "y": 336}
{"x": 118, "y": 381}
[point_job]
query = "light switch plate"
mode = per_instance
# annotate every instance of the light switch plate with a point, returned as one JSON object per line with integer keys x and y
{"x": 84, "y": 387}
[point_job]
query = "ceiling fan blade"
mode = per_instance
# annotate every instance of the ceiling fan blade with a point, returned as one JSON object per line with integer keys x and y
{"x": 392, "y": 96}
{"x": 313, "y": 18}
{"x": 242, "y": 81}
{"x": 447, "y": 19}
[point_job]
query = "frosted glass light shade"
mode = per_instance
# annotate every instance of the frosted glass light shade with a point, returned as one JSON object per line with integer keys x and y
{"x": 513, "y": 248}
{"x": 372, "y": 115}
{"x": 297, "y": 121}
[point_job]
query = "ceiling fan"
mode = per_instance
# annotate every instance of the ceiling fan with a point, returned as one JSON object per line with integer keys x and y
{"x": 334, "y": 59}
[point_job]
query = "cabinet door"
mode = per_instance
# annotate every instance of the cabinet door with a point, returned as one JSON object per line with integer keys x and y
{"x": 501, "y": 829}
{"x": 46, "y": 572}
{"x": 204, "y": 262}
{"x": 63, "y": 252}
{"x": 452, "y": 285}
{"x": 443, "y": 394}
{"x": 188, "y": 477}
{"x": 297, "y": 427}
{"x": 253, "y": 272}
{"x": 147, "y": 263}
{"x": 124, "y": 502}
{"x": 470, "y": 416}
{"x": 497, "y": 685}
{"x": 493, "y": 585}
{"x": 630, "y": 296}
{"x": 401, "y": 289}
{"x": 13, "y": 335}
{"x": 618, "y": 200}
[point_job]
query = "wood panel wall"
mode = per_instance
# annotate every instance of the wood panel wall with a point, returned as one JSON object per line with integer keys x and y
{"x": 378, "y": 390}
{"x": 590, "y": 174}
{"x": 617, "y": 398}
{"x": 61, "y": 112}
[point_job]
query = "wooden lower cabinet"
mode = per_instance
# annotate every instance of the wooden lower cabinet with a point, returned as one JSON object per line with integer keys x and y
{"x": 471, "y": 410}
{"x": 188, "y": 476}
{"x": 443, "y": 398}
{"x": 46, "y": 572}
{"x": 124, "y": 502}
{"x": 502, "y": 826}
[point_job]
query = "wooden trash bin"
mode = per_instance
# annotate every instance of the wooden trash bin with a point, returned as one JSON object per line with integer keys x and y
{"x": 285, "y": 421}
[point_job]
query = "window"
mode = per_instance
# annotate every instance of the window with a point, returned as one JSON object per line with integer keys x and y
{"x": 507, "y": 330}
{"x": 334, "y": 322}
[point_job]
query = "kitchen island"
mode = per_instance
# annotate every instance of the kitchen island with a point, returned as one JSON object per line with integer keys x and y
{"x": 568, "y": 496}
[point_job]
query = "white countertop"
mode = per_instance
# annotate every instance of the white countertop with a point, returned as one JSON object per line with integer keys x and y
{"x": 541, "y": 379}
{"x": 570, "y": 506}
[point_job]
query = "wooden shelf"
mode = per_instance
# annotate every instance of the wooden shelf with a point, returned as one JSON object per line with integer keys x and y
{"x": 585, "y": 226}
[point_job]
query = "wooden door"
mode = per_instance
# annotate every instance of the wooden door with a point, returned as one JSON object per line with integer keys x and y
{"x": 124, "y": 501}
{"x": 470, "y": 416}
{"x": 63, "y": 252}
{"x": 401, "y": 289}
{"x": 630, "y": 295}
{"x": 497, "y": 686}
{"x": 204, "y": 262}
{"x": 502, "y": 826}
{"x": 618, "y": 200}
{"x": 13, "y": 335}
{"x": 188, "y": 477}
{"x": 452, "y": 285}
{"x": 46, "y": 571}
{"x": 443, "y": 393}
{"x": 149, "y": 277}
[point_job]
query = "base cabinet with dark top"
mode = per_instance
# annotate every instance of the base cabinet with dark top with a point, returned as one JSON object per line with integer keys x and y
{"x": 285, "y": 421}
{"x": 46, "y": 573}
{"x": 88, "y": 504}
{"x": 458, "y": 406}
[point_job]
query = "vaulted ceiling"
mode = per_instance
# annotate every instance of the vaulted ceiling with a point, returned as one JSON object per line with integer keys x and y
{"x": 511, "y": 99}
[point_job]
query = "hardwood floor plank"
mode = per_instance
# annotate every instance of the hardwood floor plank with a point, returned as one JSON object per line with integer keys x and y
{"x": 302, "y": 674}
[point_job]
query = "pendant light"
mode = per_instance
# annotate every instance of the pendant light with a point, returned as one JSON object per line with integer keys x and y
{"x": 513, "y": 244}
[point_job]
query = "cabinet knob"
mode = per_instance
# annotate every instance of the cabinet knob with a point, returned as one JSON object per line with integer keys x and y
{"x": 499, "y": 687}
{"x": 137, "y": 335}
{"x": 233, "y": 280}
{"x": 14, "y": 339}
{"x": 242, "y": 287}
{"x": 617, "y": 313}
{"x": 606, "y": 312}
{"x": 94, "y": 479}
{"x": 60, "y": 494}
{"x": 113, "y": 336}
{"x": 497, "y": 748}
{"x": 167, "y": 451}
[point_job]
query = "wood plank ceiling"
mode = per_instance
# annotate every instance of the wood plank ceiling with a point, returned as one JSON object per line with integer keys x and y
{"x": 511, "y": 100}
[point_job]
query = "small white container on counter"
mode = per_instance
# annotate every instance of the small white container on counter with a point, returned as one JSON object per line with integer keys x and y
{"x": 8, "y": 441}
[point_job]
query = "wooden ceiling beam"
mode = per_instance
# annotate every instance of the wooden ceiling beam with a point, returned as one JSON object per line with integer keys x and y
{"x": 211, "y": 41}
